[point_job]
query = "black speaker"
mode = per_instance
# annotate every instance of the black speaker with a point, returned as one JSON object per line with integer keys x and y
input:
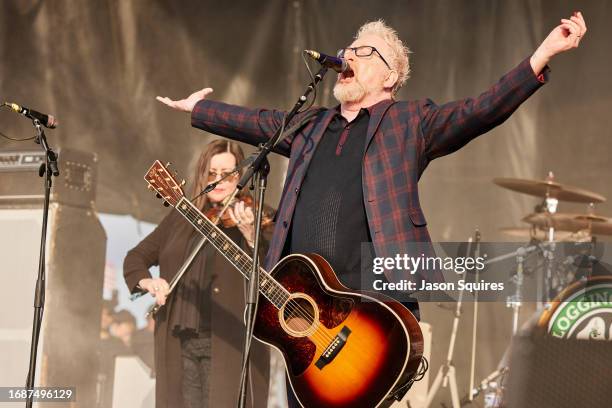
{"x": 76, "y": 250}
{"x": 546, "y": 372}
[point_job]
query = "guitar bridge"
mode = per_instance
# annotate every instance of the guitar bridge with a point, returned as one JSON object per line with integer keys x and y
{"x": 333, "y": 348}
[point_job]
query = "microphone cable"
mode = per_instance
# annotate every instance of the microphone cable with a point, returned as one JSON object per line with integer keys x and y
{"x": 12, "y": 138}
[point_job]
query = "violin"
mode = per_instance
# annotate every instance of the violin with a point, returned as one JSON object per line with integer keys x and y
{"x": 226, "y": 220}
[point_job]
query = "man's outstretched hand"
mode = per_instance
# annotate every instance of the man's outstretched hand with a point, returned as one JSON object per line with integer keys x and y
{"x": 187, "y": 104}
{"x": 563, "y": 37}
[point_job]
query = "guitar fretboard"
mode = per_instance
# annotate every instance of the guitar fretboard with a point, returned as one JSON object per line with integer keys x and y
{"x": 268, "y": 286}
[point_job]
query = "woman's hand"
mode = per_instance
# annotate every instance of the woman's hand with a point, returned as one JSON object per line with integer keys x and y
{"x": 157, "y": 287}
{"x": 244, "y": 218}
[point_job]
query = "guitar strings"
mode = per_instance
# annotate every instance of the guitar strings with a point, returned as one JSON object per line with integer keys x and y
{"x": 298, "y": 310}
{"x": 320, "y": 337}
{"x": 317, "y": 336}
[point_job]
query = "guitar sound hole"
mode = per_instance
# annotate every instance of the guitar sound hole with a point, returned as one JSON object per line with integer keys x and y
{"x": 299, "y": 315}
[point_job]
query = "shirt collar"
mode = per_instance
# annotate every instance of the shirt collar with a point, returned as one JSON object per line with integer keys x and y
{"x": 370, "y": 108}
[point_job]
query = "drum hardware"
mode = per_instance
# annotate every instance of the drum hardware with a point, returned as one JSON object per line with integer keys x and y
{"x": 587, "y": 224}
{"x": 446, "y": 372}
{"x": 547, "y": 228}
{"x": 549, "y": 188}
{"x": 546, "y": 218}
{"x": 537, "y": 234}
{"x": 515, "y": 301}
{"x": 488, "y": 383}
{"x": 475, "y": 320}
{"x": 494, "y": 388}
{"x": 520, "y": 255}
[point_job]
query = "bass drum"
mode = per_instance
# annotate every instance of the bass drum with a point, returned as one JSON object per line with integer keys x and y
{"x": 581, "y": 311}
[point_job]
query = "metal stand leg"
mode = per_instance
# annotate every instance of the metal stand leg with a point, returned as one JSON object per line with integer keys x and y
{"x": 446, "y": 374}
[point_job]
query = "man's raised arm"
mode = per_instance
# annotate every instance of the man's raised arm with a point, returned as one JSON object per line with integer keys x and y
{"x": 252, "y": 126}
{"x": 448, "y": 127}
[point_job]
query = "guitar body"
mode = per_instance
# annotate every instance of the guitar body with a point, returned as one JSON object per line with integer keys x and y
{"x": 372, "y": 343}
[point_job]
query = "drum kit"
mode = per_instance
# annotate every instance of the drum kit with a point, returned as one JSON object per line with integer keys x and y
{"x": 564, "y": 287}
{"x": 546, "y": 224}
{"x": 547, "y": 227}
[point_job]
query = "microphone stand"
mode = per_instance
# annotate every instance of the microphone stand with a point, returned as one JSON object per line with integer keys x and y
{"x": 261, "y": 166}
{"x": 47, "y": 170}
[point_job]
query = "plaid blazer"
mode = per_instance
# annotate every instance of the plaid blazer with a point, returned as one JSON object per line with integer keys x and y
{"x": 402, "y": 138}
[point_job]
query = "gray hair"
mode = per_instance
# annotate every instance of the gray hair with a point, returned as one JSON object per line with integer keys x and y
{"x": 400, "y": 61}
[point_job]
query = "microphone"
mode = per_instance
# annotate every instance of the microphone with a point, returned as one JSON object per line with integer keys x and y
{"x": 335, "y": 63}
{"x": 48, "y": 121}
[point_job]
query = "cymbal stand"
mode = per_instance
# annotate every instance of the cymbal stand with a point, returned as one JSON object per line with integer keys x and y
{"x": 515, "y": 301}
{"x": 549, "y": 255}
{"x": 550, "y": 206}
{"x": 475, "y": 318}
{"x": 446, "y": 372}
{"x": 488, "y": 382}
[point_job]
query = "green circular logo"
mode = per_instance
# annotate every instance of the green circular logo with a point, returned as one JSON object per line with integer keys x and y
{"x": 586, "y": 314}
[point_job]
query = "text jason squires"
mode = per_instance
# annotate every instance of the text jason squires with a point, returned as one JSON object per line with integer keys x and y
{"x": 422, "y": 263}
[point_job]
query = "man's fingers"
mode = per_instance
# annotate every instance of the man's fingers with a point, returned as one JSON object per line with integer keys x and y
{"x": 207, "y": 91}
{"x": 576, "y": 21}
{"x": 574, "y": 28}
{"x": 569, "y": 30}
{"x": 579, "y": 22}
{"x": 581, "y": 17}
{"x": 166, "y": 101}
{"x": 201, "y": 94}
{"x": 185, "y": 104}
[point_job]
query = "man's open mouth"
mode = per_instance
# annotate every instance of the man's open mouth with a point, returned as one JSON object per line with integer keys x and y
{"x": 347, "y": 74}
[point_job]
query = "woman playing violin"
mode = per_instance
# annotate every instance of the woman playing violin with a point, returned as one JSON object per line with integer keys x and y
{"x": 199, "y": 330}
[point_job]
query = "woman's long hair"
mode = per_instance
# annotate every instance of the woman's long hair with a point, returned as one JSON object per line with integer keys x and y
{"x": 203, "y": 167}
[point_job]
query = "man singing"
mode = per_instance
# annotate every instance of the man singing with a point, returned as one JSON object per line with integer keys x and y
{"x": 353, "y": 170}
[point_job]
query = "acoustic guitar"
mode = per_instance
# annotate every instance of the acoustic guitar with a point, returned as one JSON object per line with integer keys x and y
{"x": 341, "y": 347}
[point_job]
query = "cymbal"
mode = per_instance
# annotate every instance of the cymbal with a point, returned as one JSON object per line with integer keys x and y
{"x": 598, "y": 225}
{"x": 538, "y": 234}
{"x": 544, "y": 188}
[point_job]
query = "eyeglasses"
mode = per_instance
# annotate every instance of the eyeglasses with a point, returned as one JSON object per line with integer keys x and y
{"x": 363, "y": 51}
{"x": 212, "y": 175}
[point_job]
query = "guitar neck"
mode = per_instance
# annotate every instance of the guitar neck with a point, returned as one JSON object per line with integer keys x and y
{"x": 268, "y": 286}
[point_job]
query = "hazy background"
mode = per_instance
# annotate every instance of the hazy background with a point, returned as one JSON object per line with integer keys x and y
{"x": 98, "y": 65}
